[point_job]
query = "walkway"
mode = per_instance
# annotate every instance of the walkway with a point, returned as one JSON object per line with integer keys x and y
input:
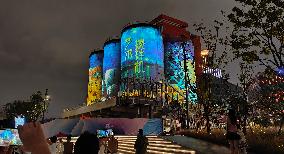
{"x": 156, "y": 145}
{"x": 200, "y": 146}
{"x": 169, "y": 145}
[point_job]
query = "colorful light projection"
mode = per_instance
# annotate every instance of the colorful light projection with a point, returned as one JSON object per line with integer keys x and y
{"x": 19, "y": 120}
{"x": 174, "y": 70}
{"x": 95, "y": 77}
{"x": 111, "y": 68}
{"x": 142, "y": 57}
{"x": 142, "y": 53}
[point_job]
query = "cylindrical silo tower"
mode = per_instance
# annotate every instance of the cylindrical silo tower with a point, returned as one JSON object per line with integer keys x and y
{"x": 142, "y": 55}
{"x": 95, "y": 76}
{"x": 176, "y": 51}
{"x": 142, "y": 52}
{"x": 111, "y": 68}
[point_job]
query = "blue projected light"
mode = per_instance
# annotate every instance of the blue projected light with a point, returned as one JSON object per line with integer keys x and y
{"x": 174, "y": 68}
{"x": 142, "y": 53}
{"x": 280, "y": 71}
{"x": 111, "y": 68}
{"x": 96, "y": 60}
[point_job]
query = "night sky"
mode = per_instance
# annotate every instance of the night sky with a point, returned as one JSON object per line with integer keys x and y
{"x": 46, "y": 44}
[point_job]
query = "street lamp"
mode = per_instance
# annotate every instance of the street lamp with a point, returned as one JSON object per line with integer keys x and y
{"x": 204, "y": 55}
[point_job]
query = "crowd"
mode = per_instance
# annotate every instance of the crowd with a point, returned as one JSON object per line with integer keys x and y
{"x": 34, "y": 142}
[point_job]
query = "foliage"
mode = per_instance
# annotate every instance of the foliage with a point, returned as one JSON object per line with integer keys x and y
{"x": 258, "y": 36}
{"x": 259, "y": 140}
{"x": 246, "y": 79}
{"x": 32, "y": 109}
{"x": 258, "y": 32}
{"x": 265, "y": 140}
{"x": 216, "y": 45}
{"x": 269, "y": 98}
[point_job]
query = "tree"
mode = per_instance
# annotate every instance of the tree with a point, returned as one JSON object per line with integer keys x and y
{"x": 269, "y": 98}
{"x": 257, "y": 38}
{"x": 32, "y": 109}
{"x": 246, "y": 79}
{"x": 214, "y": 44}
{"x": 258, "y": 34}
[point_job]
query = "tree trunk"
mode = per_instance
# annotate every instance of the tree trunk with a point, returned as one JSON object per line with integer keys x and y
{"x": 244, "y": 125}
{"x": 281, "y": 124}
{"x": 208, "y": 124}
{"x": 206, "y": 112}
{"x": 245, "y": 117}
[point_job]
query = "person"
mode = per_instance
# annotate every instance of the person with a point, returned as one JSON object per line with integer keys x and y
{"x": 52, "y": 144}
{"x": 178, "y": 125}
{"x": 87, "y": 143}
{"x": 68, "y": 146}
{"x": 198, "y": 123}
{"x": 232, "y": 135}
{"x": 173, "y": 126}
{"x": 103, "y": 145}
{"x": 141, "y": 143}
{"x": 59, "y": 146}
{"x": 112, "y": 145}
{"x": 33, "y": 139}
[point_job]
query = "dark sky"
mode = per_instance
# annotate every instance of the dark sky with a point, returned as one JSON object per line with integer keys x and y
{"x": 46, "y": 44}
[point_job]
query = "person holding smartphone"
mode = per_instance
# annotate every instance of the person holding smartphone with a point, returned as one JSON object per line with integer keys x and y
{"x": 33, "y": 139}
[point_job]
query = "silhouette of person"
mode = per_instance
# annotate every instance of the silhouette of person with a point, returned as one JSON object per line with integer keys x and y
{"x": 52, "y": 144}
{"x": 68, "y": 146}
{"x": 232, "y": 134}
{"x": 87, "y": 143}
{"x": 112, "y": 144}
{"x": 141, "y": 143}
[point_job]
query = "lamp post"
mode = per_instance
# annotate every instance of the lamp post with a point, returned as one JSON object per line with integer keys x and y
{"x": 46, "y": 98}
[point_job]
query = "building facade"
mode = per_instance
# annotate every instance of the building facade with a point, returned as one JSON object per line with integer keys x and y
{"x": 152, "y": 64}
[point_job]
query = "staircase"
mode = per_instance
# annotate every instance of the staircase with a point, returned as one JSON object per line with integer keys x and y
{"x": 156, "y": 145}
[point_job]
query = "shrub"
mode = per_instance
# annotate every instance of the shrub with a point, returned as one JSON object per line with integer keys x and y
{"x": 259, "y": 140}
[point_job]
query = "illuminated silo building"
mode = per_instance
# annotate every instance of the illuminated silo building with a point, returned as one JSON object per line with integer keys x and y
{"x": 95, "y": 77}
{"x": 142, "y": 53}
{"x": 142, "y": 60}
{"x": 144, "y": 70}
{"x": 111, "y": 68}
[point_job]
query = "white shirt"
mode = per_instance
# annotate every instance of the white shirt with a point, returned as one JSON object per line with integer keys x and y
{"x": 102, "y": 149}
{"x": 52, "y": 148}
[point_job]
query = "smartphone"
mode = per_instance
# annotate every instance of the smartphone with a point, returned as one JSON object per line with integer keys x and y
{"x": 3, "y": 142}
{"x": 9, "y": 137}
{"x": 104, "y": 133}
{"x": 20, "y": 120}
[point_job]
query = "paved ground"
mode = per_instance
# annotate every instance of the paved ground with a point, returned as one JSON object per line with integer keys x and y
{"x": 170, "y": 145}
{"x": 200, "y": 146}
{"x": 156, "y": 145}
